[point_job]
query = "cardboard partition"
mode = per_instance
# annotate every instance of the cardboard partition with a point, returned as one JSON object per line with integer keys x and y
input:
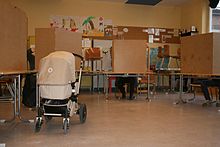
{"x": 129, "y": 56}
{"x": 13, "y": 38}
{"x": 200, "y": 54}
{"x": 54, "y": 39}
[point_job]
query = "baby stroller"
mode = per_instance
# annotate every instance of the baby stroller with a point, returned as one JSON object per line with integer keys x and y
{"x": 58, "y": 89}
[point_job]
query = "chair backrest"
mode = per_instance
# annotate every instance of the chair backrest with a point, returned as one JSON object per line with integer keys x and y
{"x": 144, "y": 79}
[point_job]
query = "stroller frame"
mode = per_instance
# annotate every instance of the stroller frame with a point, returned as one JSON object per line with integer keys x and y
{"x": 59, "y": 108}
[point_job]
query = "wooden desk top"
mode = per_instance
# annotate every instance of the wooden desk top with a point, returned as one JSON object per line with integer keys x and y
{"x": 199, "y": 74}
{"x": 17, "y": 72}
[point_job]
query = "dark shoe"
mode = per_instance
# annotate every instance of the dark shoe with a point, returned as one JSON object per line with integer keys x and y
{"x": 122, "y": 98}
{"x": 207, "y": 103}
{"x": 132, "y": 98}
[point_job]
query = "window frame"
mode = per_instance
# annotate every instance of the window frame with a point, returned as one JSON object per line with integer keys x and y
{"x": 210, "y": 18}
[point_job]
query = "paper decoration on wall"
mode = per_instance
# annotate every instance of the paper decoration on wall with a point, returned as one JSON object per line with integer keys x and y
{"x": 162, "y": 30}
{"x": 143, "y": 33}
{"x": 176, "y": 32}
{"x": 170, "y": 32}
{"x": 56, "y": 21}
{"x": 164, "y": 37}
{"x": 156, "y": 39}
{"x": 89, "y": 26}
{"x": 93, "y": 26}
{"x": 157, "y": 32}
{"x": 67, "y": 23}
{"x": 101, "y": 24}
{"x": 150, "y": 30}
{"x": 115, "y": 31}
{"x": 120, "y": 35}
{"x": 108, "y": 31}
{"x": 151, "y": 39}
{"x": 125, "y": 30}
{"x": 145, "y": 30}
{"x": 106, "y": 46}
{"x": 71, "y": 23}
{"x": 86, "y": 43}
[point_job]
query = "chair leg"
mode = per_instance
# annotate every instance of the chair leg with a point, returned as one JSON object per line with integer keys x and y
{"x": 217, "y": 98}
{"x": 211, "y": 94}
{"x": 154, "y": 89}
{"x": 194, "y": 93}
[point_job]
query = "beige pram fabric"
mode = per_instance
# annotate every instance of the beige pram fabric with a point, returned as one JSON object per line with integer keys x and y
{"x": 56, "y": 73}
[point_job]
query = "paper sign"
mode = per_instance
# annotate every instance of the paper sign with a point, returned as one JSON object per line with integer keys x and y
{"x": 156, "y": 39}
{"x": 151, "y": 38}
{"x": 162, "y": 30}
{"x": 157, "y": 32}
{"x": 150, "y": 30}
{"x": 176, "y": 33}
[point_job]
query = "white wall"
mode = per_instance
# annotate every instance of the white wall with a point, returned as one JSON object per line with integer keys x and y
{"x": 39, "y": 11}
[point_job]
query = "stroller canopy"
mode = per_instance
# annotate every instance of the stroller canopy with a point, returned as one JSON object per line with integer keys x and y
{"x": 58, "y": 68}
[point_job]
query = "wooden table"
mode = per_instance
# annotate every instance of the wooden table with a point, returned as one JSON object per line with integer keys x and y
{"x": 15, "y": 91}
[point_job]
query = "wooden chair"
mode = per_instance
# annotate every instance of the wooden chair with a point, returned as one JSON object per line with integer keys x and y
{"x": 143, "y": 84}
{"x": 214, "y": 93}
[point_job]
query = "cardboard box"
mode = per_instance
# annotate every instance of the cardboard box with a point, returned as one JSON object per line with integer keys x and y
{"x": 200, "y": 54}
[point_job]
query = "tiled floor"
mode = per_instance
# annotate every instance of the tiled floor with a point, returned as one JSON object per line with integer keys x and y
{"x": 121, "y": 123}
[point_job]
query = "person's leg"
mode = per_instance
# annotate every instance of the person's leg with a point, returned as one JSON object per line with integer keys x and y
{"x": 217, "y": 82}
{"x": 204, "y": 86}
{"x": 120, "y": 85}
{"x": 132, "y": 86}
{"x": 122, "y": 90}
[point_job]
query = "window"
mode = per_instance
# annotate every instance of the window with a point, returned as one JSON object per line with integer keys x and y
{"x": 215, "y": 19}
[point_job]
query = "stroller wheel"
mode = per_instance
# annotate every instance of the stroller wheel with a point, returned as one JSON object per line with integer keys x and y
{"x": 82, "y": 113}
{"x": 65, "y": 126}
{"x": 38, "y": 124}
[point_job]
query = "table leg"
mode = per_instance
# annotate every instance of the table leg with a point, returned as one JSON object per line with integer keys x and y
{"x": 19, "y": 100}
{"x": 106, "y": 87}
{"x": 180, "y": 91}
{"x": 13, "y": 101}
{"x": 148, "y": 88}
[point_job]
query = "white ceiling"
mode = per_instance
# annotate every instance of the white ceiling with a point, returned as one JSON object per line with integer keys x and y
{"x": 162, "y": 3}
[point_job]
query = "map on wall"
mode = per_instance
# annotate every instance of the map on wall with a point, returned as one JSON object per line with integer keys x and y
{"x": 89, "y": 25}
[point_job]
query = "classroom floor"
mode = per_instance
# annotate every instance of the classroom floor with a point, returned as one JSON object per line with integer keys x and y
{"x": 121, "y": 123}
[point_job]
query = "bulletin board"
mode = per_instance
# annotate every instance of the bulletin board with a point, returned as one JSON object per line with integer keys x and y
{"x": 151, "y": 34}
{"x": 13, "y": 38}
{"x": 129, "y": 56}
{"x": 54, "y": 39}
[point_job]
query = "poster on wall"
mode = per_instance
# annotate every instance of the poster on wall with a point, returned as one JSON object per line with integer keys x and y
{"x": 157, "y": 32}
{"x": 93, "y": 26}
{"x": 71, "y": 23}
{"x": 150, "y": 31}
{"x": 89, "y": 25}
{"x": 105, "y": 46}
{"x": 151, "y": 38}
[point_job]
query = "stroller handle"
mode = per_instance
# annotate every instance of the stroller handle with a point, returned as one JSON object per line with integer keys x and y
{"x": 78, "y": 56}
